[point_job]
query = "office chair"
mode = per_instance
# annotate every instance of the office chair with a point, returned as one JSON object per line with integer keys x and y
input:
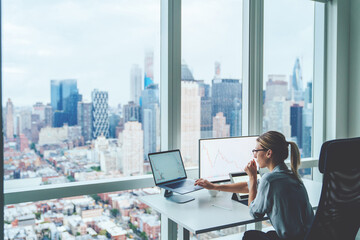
{"x": 338, "y": 212}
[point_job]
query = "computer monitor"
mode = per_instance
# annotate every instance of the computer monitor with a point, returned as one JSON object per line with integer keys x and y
{"x": 220, "y": 156}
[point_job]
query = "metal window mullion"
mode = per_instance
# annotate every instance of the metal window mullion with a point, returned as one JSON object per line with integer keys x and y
{"x": 170, "y": 74}
{"x": 170, "y": 92}
{"x": 319, "y": 76}
{"x": 255, "y": 83}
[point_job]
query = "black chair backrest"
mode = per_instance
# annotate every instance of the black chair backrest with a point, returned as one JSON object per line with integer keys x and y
{"x": 338, "y": 212}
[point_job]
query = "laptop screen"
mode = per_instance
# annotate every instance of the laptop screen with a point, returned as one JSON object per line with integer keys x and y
{"x": 167, "y": 166}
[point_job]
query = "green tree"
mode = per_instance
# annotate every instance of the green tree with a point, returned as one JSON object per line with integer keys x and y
{"x": 71, "y": 178}
{"x": 38, "y": 215}
{"x": 114, "y": 212}
{"x": 95, "y": 197}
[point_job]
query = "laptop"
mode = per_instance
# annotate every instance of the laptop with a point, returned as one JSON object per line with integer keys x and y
{"x": 169, "y": 172}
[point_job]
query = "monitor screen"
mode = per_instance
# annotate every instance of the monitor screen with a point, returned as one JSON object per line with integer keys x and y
{"x": 167, "y": 166}
{"x": 221, "y": 156}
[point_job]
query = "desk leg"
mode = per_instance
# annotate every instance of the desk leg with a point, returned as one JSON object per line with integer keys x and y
{"x": 183, "y": 233}
{"x": 168, "y": 228}
{"x": 258, "y": 226}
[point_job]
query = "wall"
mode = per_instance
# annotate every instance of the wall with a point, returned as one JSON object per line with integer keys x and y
{"x": 354, "y": 70}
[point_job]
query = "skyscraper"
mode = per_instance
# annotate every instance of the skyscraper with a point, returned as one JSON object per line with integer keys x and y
{"x": 190, "y": 117}
{"x": 297, "y": 83}
{"x": 224, "y": 91}
{"x": 132, "y": 149}
{"x": 64, "y": 97}
{"x": 135, "y": 84}
{"x": 149, "y": 68}
{"x": 114, "y": 120}
{"x": 132, "y": 112}
{"x": 220, "y": 128}
{"x": 9, "y": 119}
{"x": 100, "y": 113}
{"x": 150, "y": 113}
{"x": 236, "y": 118}
{"x": 84, "y": 119}
{"x": 296, "y": 118}
{"x": 206, "y": 119}
{"x": 277, "y": 106}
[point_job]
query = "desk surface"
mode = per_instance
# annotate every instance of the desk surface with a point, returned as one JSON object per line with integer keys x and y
{"x": 207, "y": 213}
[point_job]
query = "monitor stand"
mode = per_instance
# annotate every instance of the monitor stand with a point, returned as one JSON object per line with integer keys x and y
{"x": 169, "y": 195}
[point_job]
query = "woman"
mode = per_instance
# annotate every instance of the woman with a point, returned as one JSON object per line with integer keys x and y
{"x": 280, "y": 193}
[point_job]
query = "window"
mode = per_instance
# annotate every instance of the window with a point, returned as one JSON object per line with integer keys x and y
{"x": 115, "y": 215}
{"x": 211, "y": 73}
{"x": 81, "y": 88}
{"x": 288, "y": 70}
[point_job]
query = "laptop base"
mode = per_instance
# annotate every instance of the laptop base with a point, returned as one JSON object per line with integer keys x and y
{"x": 177, "y": 198}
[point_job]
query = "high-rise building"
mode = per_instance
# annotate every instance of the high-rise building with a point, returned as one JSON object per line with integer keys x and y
{"x": 132, "y": 112}
{"x": 64, "y": 97}
{"x": 100, "y": 113}
{"x": 84, "y": 120}
{"x": 132, "y": 148}
{"x": 39, "y": 108}
{"x": 150, "y": 115}
{"x": 296, "y": 117}
{"x": 9, "y": 119}
{"x": 135, "y": 84}
{"x": 277, "y": 106}
{"x": 276, "y": 86}
{"x": 236, "y": 118}
{"x": 149, "y": 68}
{"x": 277, "y": 116}
{"x": 297, "y": 83}
{"x": 190, "y": 117}
{"x": 56, "y": 102}
{"x": 220, "y": 128}
{"x": 25, "y": 123}
{"x": 206, "y": 119}
{"x": 114, "y": 120}
{"x": 224, "y": 91}
{"x": 307, "y": 121}
{"x": 48, "y": 113}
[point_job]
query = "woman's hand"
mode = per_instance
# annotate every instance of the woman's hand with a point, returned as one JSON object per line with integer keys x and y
{"x": 251, "y": 169}
{"x": 205, "y": 184}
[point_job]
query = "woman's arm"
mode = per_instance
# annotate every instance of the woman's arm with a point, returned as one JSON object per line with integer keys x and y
{"x": 240, "y": 187}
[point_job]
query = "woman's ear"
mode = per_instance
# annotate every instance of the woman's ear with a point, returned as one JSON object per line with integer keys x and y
{"x": 269, "y": 153}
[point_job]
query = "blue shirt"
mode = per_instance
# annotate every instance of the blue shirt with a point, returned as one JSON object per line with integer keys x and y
{"x": 285, "y": 200}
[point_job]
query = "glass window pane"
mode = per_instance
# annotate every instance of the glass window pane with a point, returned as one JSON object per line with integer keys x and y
{"x": 80, "y": 89}
{"x": 211, "y": 71}
{"x": 114, "y": 215}
{"x": 288, "y": 70}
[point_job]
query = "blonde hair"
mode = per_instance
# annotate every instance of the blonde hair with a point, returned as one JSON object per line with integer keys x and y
{"x": 277, "y": 143}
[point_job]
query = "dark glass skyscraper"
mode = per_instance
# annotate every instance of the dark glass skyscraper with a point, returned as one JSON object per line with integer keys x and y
{"x": 64, "y": 97}
{"x": 224, "y": 93}
{"x": 296, "y": 117}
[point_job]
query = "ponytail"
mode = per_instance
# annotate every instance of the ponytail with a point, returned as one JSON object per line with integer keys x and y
{"x": 277, "y": 143}
{"x": 295, "y": 159}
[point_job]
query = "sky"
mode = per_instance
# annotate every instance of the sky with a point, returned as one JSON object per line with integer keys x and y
{"x": 97, "y": 42}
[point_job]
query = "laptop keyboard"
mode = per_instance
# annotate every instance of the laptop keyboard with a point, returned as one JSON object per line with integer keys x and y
{"x": 180, "y": 184}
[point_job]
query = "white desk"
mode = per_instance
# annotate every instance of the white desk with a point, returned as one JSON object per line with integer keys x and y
{"x": 207, "y": 213}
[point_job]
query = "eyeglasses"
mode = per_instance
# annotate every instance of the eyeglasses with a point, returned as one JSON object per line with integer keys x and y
{"x": 259, "y": 150}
